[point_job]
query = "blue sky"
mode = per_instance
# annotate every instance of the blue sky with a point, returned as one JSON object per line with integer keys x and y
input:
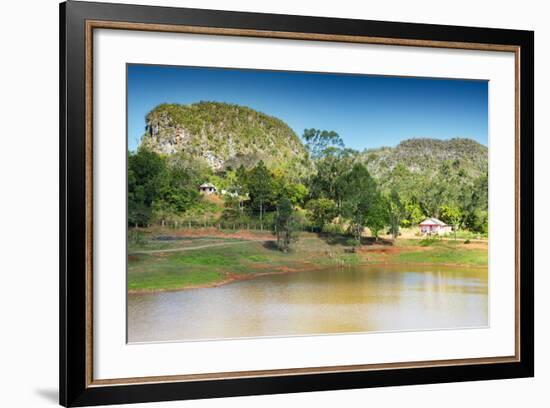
{"x": 366, "y": 111}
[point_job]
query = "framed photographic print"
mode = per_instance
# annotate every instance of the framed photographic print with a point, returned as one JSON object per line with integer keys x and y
{"x": 256, "y": 203}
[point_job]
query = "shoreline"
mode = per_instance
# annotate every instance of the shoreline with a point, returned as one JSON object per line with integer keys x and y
{"x": 308, "y": 268}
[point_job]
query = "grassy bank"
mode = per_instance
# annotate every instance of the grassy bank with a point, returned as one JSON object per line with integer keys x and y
{"x": 171, "y": 260}
{"x": 449, "y": 252}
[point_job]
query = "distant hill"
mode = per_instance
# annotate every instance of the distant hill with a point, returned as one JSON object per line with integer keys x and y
{"x": 222, "y": 134}
{"x": 227, "y": 135}
{"x": 427, "y": 155}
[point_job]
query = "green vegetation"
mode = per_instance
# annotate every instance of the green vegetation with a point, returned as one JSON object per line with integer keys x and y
{"x": 396, "y": 213}
{"x": 159, "y": 187}
{"x": 286, "y": 225}
{"x": 317, "y": 141}
{"x": 261, "y": 188}
{"x": 452, "y": 215}
{"x": 322, "y": 202}
{"x": 224, "y": 135}
{"x": 199, "y": 267}
{"x": 442, "y": 252}
{"x": 429, "y": 241}
{"x": 430, "y": 175}
{"x": 146, "y": 272}
{"x": 233, "y": 258}
{"x": 321, "y": 211}
{"x": 259, "y": 161}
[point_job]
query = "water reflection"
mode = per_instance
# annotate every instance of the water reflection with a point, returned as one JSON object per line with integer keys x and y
{"x": 356, "y": 299}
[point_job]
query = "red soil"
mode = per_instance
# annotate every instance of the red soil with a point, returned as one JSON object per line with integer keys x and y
{"x": 214, "y": 232}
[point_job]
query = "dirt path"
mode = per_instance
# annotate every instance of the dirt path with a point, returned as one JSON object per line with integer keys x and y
{"x": 152, "y": 251}
{"x": 483, "y": 240}
{"x": 214, "y": 232}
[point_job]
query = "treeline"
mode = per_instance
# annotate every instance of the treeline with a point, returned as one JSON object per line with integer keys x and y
{"x": 339, "y": 195}
{"x": 160, "y": 187}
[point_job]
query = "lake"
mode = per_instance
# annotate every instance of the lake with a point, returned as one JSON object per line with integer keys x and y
{"x": 331, "y": 300}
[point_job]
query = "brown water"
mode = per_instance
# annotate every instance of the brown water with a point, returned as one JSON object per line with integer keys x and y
{"x": 350, "y": 299}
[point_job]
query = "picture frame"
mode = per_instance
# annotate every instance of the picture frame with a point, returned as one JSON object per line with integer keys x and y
{"x": 79, "y": 21}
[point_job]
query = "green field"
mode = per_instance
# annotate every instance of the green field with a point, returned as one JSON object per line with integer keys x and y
{"x": 446, "y": 252}
{"x": 170, "y": 265}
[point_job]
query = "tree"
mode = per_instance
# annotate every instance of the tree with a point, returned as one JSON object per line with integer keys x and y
{"x": 474, "y": 205}
{"x": 317, "y": 141}
{"x": 284, "y": 186}
{"x": 321, "y": 211}
{"x": 231, "y": 209}
{"x": 413, "y": 213}
{"x": 356, "y": 210}
{"x": 452, "y": 215}
{"x": 241, "y": 181}
{"x": 145, "y": 172}
{"x": 177, "y": 189}
{"x": 402, "y": 180}
{"x": 330, "y": 181}
{"x": 377, "y": 215}
{"x": 396, "y": 213}
{"x": 363, "y": 203}
{"x": 360, "y": 194}
{"x": 239, "y": 185}
{"x": 260, "y": 187}
{"x": 286, "y": 224}
{"x": 296, "y": 192}
{"x": 191, "y": 170}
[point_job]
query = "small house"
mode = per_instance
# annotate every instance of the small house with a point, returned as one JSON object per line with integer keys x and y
{"x": 207, "y": 188}
{"x": 434, "y": 226}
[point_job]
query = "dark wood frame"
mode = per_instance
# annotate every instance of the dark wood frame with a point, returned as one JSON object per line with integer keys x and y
{"x": 77, "y": 22}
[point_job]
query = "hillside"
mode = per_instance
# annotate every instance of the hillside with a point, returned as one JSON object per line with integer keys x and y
{"x": 428, "y": 176}
{"x": 222, "y": 134}
{"x": 427, "y": 155}
{"x": 227, "y": 135}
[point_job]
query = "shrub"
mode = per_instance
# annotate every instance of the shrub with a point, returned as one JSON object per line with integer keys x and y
{"x": 137, "y": 238}
{"x": 352, "y": 242}
{"x": 333, "y": 229}
{"x": 429, "y": 240}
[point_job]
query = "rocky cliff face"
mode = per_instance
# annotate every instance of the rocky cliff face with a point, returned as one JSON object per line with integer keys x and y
{"x": 222, "y": 134}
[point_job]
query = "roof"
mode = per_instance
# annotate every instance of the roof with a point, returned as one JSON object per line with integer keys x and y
{"x": 207, "y": 185}
{"x": 433, "y": 221}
